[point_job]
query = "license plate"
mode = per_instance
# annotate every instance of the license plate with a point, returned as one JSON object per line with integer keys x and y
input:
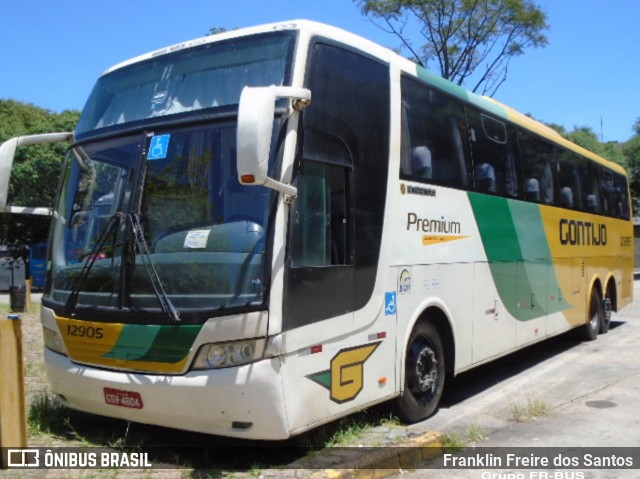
{"x": 119, "y": 397}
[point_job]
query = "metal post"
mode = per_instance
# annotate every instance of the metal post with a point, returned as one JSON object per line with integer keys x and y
{"x": 13, "y": 417}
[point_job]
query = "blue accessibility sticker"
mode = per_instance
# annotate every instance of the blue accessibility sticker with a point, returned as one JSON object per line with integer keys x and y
{"x": 390, "y": 305}
{"x": 159, "y": 147}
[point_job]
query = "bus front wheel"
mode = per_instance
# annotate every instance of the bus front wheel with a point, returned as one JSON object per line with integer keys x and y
{"x": 424, "y": 374}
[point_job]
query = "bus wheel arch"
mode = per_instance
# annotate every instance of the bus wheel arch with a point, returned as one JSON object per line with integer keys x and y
{"x": 428, "y": 357}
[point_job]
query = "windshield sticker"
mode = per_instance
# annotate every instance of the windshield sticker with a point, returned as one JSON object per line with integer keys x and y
{"x": 159, "y": 147}
{"x": 196, "y": 239}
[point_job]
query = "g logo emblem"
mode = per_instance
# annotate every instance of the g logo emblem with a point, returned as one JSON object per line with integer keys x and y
{"x": 345, "y": 379}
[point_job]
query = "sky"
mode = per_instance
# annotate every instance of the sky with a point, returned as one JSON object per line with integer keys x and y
{"x": 51, "y": 52}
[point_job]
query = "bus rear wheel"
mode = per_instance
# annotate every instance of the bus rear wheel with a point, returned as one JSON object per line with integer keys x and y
{"x": 589, "y": 331}
{"x": 607, "y": 307}
{"x": 424, "y": 374}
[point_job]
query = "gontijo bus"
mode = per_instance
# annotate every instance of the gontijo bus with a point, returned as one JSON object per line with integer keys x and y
{"x": 264, "y": 230}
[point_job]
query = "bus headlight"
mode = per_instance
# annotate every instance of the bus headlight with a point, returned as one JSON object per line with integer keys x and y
{"x": 225, "y": 355}
{"x": 53, "y": 341}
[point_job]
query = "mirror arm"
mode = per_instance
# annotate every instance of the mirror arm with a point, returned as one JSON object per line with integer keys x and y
{"x": 7, "y": 154}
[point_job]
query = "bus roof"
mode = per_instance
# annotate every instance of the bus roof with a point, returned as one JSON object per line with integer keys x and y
{"x": 312, "y": 28}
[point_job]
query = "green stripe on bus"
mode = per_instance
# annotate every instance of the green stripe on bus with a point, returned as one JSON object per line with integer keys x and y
{"x": 519, "y": 257}
{"x": 161, "y": 344}
{"x": 134, "y": 342}
{"x": 442, "y": 84}
{"x": 172, "y": 344}
{"x": 461, "y": 93}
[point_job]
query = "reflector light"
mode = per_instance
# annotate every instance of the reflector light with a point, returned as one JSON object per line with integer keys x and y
{"x": 316, "y": 349}
{"x": 248, "y": 179}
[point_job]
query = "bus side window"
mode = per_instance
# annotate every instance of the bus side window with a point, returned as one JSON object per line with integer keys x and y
{"x": 539, "y": 161}
{"x": 570, "y": 181}
{"x": 621, "y": 197}
{"x": 607, "y": 191}
{"x": 620, "y": 207}
{"x": 592, "y": 188}
{"x": 495, "y": 168}
{"x": 434, "y": 139}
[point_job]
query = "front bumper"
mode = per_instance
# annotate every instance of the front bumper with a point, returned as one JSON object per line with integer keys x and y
{"x": 245, "y": 402}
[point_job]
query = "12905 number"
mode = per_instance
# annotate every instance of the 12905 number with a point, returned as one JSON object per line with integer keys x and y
{"x": 85, "y": 331}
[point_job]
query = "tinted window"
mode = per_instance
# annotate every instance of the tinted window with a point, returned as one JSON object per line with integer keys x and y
{"x": 539, "y": 169}
{"x": 435, "y": 145}
{"x": 320, "y": 217}
{"x": 559, "y": 177}
{"x": 494, "y": 161}
{"x": 570, "y": 180}
{"x": 336, "y": 222}
{"x": 208, "y": 76}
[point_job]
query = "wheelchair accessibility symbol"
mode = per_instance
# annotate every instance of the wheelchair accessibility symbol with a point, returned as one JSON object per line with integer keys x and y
{"x": 390, "y": 304}
{"x": 159, "y": 147}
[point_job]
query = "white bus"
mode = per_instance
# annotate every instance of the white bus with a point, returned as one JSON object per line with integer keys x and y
{"x": 264, "y": 230}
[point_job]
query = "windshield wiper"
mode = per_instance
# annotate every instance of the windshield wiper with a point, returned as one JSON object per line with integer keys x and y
{"x": 145, "y": 256}
{"x": 110, "y": 227}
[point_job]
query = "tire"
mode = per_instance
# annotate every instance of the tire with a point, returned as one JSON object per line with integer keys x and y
{"x": 589, "y": 331}
{"x": 606, "y": 312}
{"x": 424, "y": 375}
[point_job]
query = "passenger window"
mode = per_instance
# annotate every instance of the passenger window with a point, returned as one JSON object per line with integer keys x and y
{"x": 570, "y": 180}
{"x": 539, "y": 160}
{"x": 319, "y": 234}
{"x": 593, "y": 200}
{"x": 621, "y": 197}
{"x": 435, "y": 146}
{"x": 607, "y": 191}
{"x": 494, "y": 162}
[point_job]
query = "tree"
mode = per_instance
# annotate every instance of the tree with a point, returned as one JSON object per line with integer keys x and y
{"x": 631, "y": 151}
{"x": 587, "y": 138}
{"x": 470, "y": 41}
{"x": 36, "y": 169}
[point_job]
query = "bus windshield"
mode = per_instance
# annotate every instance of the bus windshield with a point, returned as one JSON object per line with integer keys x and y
{"x": 208, "y": 76}
{"x": 164, "y": 209}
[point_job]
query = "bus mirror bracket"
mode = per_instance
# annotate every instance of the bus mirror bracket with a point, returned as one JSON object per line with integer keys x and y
{"x": 255, "y": 130}
{"x": 7, "y": 154}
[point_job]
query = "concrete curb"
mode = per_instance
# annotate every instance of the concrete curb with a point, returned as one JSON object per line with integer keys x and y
{"x": 386, "y": 461}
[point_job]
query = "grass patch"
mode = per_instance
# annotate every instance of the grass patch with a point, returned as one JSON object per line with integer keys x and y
{"x": 350, "y": 430}
{"x": 476, "y": 433}
{"x": 454, "y": 442}
{"x": 533, "y": 408}
{"x": 347, "y": 430}
{"x": 46, "y": 413}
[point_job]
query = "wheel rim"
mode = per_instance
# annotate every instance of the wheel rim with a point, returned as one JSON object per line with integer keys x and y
{"x": 422, "y": 370}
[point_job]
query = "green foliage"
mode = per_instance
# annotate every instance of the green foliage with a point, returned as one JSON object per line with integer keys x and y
{"x": 631, "y": 152}
{"x": 587, "y": 138}
{"x": 470, "y": 41}
{"x": 36, "y": 169}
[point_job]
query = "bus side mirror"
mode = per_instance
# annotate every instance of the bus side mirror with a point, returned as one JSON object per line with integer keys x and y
{"x": 255, "y": 131}
{"x": 7, "y": 153}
